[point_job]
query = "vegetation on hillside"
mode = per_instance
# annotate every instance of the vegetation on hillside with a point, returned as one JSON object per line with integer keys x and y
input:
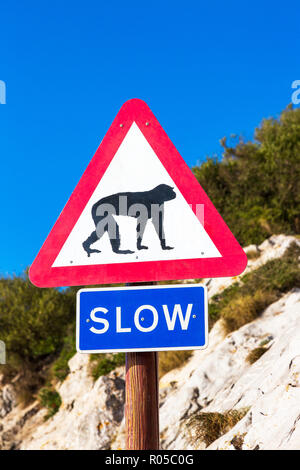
{"x": 103, "y": 364}
{"x": 208, "y": 426}
{"x": 256, "y": 354}
{"x": 244, "y": 301}
{"x": 169, "y": 360}
{"x": 49, "y": 399}
{"x": 38, "y": 328}
{"x": 256, "y": 185}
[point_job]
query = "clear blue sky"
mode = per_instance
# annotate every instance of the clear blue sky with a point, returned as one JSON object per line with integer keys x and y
{"x": 206, "y": 69}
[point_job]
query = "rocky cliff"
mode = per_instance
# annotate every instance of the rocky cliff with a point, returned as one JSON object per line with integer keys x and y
{"x": 217, "y": 382}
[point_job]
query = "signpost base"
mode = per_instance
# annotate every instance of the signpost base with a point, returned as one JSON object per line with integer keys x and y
{"x": 141, "y": 407}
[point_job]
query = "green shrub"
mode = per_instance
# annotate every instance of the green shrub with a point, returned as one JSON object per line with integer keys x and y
{"x": 256, "y": 185}
{"x": 103, "y": 364}
{"x": 277, "y": 275}
{"x": 60, "y": 368}
{"x": 50, "y": 399}
{"x": 33, "y": 320}
{"x": 219, "y": 301}
{"x": 265, "y": 341}
{"x": 33, "y": 325}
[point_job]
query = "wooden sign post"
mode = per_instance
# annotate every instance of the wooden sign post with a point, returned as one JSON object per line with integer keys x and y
{"x": 141, "y": 406}
{"x": 142, "y": 398}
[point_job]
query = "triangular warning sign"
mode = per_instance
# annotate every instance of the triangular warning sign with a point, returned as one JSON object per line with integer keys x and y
{"x": 137, "y": 214}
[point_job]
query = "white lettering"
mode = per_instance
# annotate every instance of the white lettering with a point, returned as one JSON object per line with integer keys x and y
{"x": 118, "y": 319}
{"x": 99, "y": 320}
{"x": 177, "y": 311}
{"x": 137, "y": 318}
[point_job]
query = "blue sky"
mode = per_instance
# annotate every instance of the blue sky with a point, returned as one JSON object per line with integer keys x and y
{"x": 206, "y": 69}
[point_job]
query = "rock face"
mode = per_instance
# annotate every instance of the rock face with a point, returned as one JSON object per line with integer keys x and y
{"x": 16, "y": 422}
{"x": 223, "y": 380}
{"x": 7, "y": 400}
{"x": 89, "y": 415}
{"x": 217, "y": 379}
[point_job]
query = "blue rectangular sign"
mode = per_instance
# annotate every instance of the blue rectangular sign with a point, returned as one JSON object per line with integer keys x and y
{"x": 147, "y": 318}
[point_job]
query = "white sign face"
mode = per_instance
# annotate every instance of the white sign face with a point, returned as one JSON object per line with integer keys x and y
{"x": 171, "y": 231}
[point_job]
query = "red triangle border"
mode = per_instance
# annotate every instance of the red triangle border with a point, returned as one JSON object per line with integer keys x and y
{"x": 232, "y": 262}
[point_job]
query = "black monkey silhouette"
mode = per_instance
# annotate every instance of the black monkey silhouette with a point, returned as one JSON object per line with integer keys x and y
{"x": 140, "y": 205}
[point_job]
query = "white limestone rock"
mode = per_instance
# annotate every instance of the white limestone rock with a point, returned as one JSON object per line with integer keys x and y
{"x": 224, "y": 380}
{"x": 89, "y": 415}
{"x": 214, "y": 380}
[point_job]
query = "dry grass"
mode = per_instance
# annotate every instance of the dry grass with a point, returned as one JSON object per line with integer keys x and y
{"x": 169, "y": 360}
{"x": 243, "y": 302}
{"x": 255, "y": 354}
{"x": 207, "y": 427}
{"x": 244, "y": 309}
{"x": 253, "y": 254}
